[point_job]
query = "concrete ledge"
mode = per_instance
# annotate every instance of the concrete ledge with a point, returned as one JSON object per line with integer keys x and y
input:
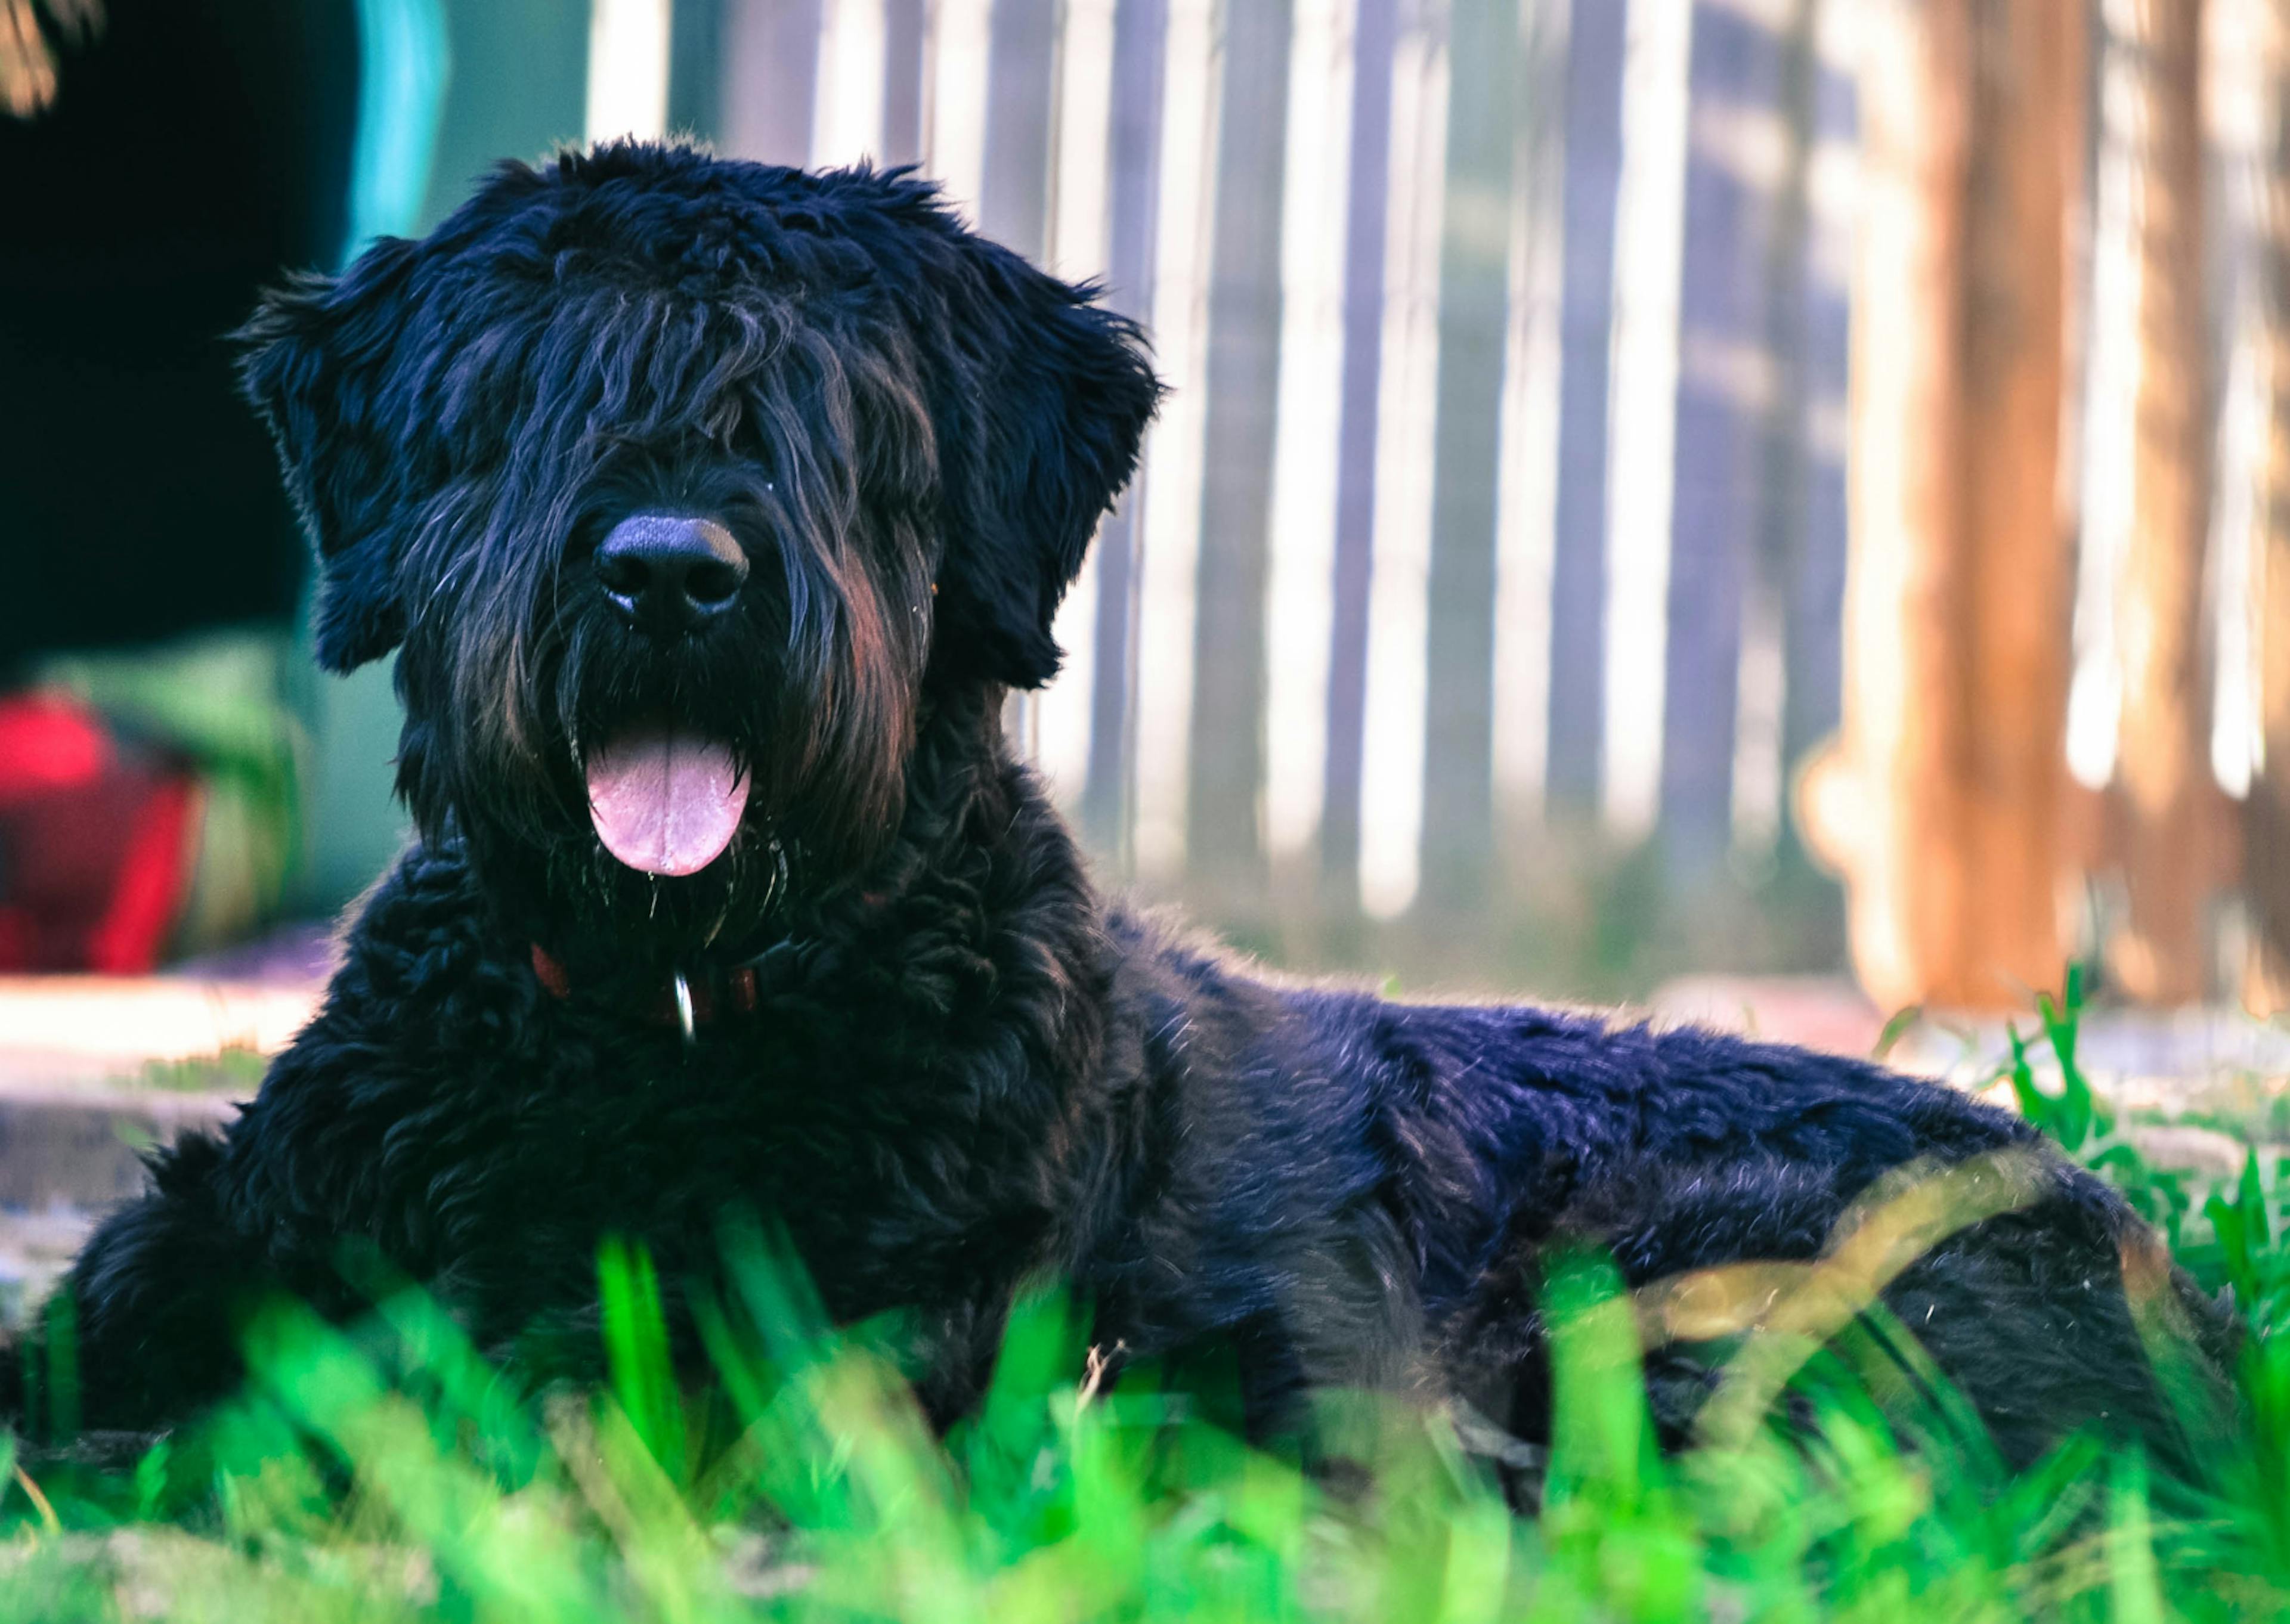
{"x": 99, "y": 1028}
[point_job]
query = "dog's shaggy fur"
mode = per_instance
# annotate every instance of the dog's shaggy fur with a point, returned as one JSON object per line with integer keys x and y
{"x": 964, "y": 1070}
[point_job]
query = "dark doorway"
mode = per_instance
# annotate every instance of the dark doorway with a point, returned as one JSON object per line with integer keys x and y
{"x": 195, "y": 148}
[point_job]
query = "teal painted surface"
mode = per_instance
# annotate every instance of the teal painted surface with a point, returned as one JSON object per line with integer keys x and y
{"x": 448, "y": 88}
{"x": 405, "y": 66}
{"x": 355, "y": 824}
{"x": 520, "y": 88}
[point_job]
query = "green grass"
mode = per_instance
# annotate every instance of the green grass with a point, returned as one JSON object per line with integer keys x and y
{"x": 236, "y": 1071}
{"x": 385, "y": 1471}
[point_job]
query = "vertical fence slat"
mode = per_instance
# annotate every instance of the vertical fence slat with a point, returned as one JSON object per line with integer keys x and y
{"x": 1014, "y": 203}
{"x": 1077, "y": 237}
{"x": 1376, "y": 30}
{"x": 847, "y": 100}
{"x": 1081, "y": 153}
{"x": 1299, "y": 592}
{"x": 2235, "y": 162}
{"x": 2005, "y": 729}
{"x": 1578, "y": 587}
{"x": 629, "y": 45}
{"x": 1641, "y": 412}
{"x": 770, "y": 82}
{"x": 1458, "y": 839}
{"x": 959, "y": 52}
{"x": 695, "y": 86}
{"x": 478, "y": 123}
{"x": 1014, "y": 198}
{"x": 1727, "y": 375}
{"x": 1224, "y": 844}
{"x": 1169, "y": 575}
{"x": 1141, "y": 30}
{"x": 905, "y": 59}
{"x": 1527, "y": 494}
{"x": 1784, "y": 522}
{"x": 1391, "y": 745}
{"x": 1810, "y": 559}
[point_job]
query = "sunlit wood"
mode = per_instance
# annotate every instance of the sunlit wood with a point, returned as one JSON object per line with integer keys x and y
{"x": 1300, "y": 594}
{"x": 2162, "y": 781}
{"x": 1941, "y": 804}
{"x": 1391, "y": 747}
{"x": 628, "y": 69}
{"x": 1170, "y": 489}
{"x": 2266, "y": 813}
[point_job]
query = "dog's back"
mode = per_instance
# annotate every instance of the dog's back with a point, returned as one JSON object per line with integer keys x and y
{"x": 1369, "y": 1191}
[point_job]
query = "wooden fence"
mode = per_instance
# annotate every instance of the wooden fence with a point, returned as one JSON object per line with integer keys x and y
{"x": 1501, "y": 509}
{"x": 1408, "y": 556}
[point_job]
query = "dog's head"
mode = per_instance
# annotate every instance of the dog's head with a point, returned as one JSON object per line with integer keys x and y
{"x": 685, "y": 484}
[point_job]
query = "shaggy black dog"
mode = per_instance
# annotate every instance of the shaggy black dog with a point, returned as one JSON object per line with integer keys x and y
{"x": 714, "y": 508}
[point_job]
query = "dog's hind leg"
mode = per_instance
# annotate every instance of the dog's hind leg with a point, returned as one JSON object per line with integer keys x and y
{"x": 2059, "y": 1315}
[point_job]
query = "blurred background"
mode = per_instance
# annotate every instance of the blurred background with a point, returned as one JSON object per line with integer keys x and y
{"x": 1793, "y": 490}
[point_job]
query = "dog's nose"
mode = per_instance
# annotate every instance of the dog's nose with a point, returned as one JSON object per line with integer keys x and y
{"x": 670, "y": 575}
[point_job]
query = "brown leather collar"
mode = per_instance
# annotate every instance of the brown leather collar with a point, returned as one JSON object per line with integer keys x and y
{"x": 686, "y": 1003}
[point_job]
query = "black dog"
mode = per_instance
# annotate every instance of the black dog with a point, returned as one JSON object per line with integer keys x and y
{"x": 714, "y": 508}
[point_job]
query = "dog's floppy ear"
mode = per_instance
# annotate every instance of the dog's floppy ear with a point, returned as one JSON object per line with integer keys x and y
{"x": 1058, "y": 392}
{"x": 318, "y": 367}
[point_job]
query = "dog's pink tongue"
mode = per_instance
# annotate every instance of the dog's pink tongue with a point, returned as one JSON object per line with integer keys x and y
{"x": 666, "y": 802}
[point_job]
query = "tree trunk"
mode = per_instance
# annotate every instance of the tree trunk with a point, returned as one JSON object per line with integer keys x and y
{"x": 2163, "y": 782}
{"x": 2266, "y": 814}
{"x": 1941, "y": 801}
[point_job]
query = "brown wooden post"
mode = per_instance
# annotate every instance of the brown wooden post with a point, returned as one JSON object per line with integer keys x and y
{"x": 2165, "y": 795}
{"x": 1941, "y": 801}
{"x": 2266, "y": 813}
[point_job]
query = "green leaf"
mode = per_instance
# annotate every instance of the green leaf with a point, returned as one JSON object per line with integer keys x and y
{"x": 1902, "y": 1022}
{"x": 636, "y": 1347}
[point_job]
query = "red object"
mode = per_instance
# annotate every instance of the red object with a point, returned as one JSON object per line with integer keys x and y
{"x": 95, "y": 838}
{"x": 48, "y": 742}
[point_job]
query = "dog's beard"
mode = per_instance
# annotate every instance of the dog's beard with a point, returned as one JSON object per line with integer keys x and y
{"x": 605, "y": 917}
